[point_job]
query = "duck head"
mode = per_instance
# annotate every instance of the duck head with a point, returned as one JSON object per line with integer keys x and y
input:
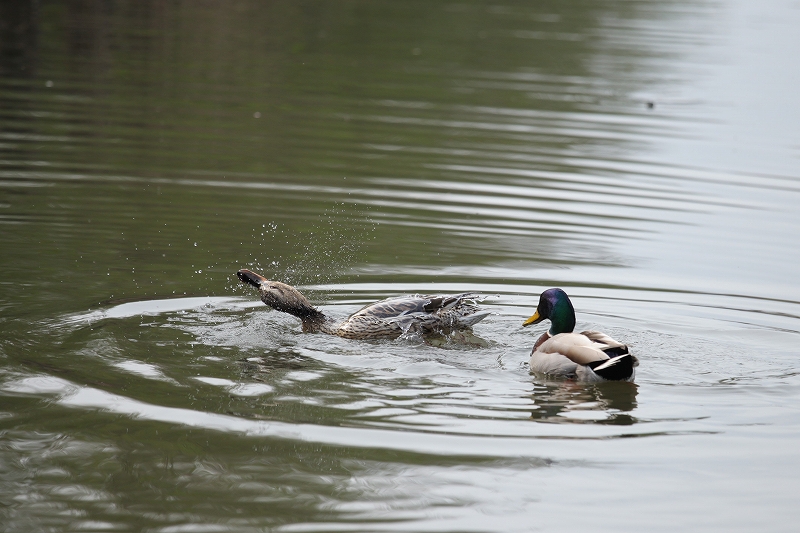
{"x": 279, "y": 296}
{"x": 554, "y": 304}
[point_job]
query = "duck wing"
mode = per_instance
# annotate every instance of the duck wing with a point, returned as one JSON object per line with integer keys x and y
{"x": 456, "y": 311}
{"x": 440, "y": 303}
{"x": 416, "y": 312}
{"x": 608, "y": 345}
{"x": 576, "y": 347}
{"x": 392, "y": 307}
{"x": 419, "y": 304}
{"x": 611, "y": 347}
{"x": 620, "y": 364}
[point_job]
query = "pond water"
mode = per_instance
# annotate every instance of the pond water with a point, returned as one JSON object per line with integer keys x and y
{"x": 644, "y": 156}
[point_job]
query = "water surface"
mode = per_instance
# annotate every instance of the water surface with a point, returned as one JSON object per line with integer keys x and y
{"x": 642, "y": 156}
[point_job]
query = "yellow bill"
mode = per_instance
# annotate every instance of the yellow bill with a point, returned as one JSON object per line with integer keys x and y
{"x": 535, "y": 319}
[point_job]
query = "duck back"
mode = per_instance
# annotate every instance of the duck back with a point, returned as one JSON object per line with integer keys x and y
{"x": 415, "y": 313}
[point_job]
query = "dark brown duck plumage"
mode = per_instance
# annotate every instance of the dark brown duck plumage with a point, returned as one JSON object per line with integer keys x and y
{"x": 385, "y": 319}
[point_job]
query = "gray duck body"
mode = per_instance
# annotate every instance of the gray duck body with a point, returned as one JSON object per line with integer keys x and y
{"x": 388, "y": 318}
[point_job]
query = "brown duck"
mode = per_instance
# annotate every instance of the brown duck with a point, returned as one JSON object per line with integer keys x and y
{"x": 388, "y": 318}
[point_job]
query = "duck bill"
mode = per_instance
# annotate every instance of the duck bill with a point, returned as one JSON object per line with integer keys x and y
{"x": 248, "y": 276}
{"x": 535, "y": 319}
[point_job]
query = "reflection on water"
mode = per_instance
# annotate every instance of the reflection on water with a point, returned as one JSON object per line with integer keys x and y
{"x": 148, "y": 150}
{"x": 603, "y": 403}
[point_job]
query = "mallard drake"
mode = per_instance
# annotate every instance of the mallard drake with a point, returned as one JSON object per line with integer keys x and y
{"x": 385, "y": 319}
{"x": 588, "y": 356}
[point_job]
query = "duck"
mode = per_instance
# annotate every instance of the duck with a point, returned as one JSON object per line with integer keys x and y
{"x": 388, "y": 318}
{"x": 589, "y": 356}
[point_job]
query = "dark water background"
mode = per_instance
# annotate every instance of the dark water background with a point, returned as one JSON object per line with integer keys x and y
{"x": 645, "y": 156}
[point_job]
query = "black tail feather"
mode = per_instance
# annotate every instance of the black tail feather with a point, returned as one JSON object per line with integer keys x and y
{"x": 616, "y": 351}
{"x": 616, "y": 369}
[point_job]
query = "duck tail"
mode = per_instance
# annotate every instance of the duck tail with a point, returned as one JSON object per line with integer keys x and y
{"x": 618, "y": 368}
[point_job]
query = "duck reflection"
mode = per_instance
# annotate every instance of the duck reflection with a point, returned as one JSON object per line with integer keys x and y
{"x": 608, "y": 403}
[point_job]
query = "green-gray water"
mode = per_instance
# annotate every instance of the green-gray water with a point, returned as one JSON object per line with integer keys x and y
{"x": 644, "y": 156}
